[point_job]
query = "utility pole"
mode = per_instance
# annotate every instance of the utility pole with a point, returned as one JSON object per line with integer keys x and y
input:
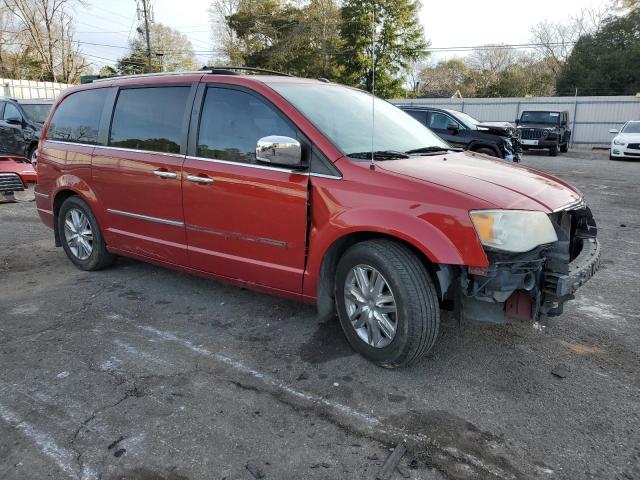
{"x": 145, "y": 13}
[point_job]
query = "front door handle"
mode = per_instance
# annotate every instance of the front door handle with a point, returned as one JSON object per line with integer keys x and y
{"x": 199, "y": 179}
{"x": 165, "y": 174}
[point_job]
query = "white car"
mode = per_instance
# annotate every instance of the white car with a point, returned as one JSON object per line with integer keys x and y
{"x": 626, "y": 143}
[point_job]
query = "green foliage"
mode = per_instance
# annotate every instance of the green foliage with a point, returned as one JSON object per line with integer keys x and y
{"x": 398, "y": 42}
{"x": 606, "y": 62}
{"x": 171, "y": 51}
{"x": 300, "y": 41}
{"x": 320, "y": 39}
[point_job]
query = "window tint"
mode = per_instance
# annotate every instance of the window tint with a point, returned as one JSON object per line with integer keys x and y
{"x": 77, "y": 119}
{"x": 419, "y": 115}
{"x": 149, "y": 118}
{"x": 232, "y": 123}
{"x": 440, "y": 121}
{"x": 11, "y": 111}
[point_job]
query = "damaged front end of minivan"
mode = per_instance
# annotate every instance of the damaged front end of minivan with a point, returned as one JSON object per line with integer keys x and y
{"x": 527, "y": 285}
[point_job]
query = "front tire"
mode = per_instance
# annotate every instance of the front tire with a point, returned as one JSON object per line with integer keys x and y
{"x": 553, "y": 151}
{"x": 81, "y": 237}
{"x": 387, "y": 303}
{"x": 564, "y": 148}
{"x": 488, "y": 151}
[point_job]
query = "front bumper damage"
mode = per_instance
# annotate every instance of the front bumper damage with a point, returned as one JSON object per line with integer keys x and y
{"x": 528, "y": 285}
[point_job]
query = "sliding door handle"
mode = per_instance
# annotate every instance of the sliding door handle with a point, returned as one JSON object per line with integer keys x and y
{"x": 165, "y": 174}
{"x": 199, "y": 179}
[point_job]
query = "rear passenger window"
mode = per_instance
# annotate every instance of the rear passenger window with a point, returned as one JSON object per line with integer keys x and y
{"x": 418, "y": 115}
{"x": 149, "y": 119}
{"x": 232, "y": 122}
{"x": 77, "y": 118}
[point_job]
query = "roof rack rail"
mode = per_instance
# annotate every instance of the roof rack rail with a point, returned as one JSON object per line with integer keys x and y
{"x": 233, "y": 70}
{"x": 212, "y": 70}
{"x": 142, "y": 75}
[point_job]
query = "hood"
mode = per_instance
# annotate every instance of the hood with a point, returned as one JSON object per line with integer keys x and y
{"x": 503, "y": 184}
{"x": 499, "y": 128}
{"x": 629, "y": 137}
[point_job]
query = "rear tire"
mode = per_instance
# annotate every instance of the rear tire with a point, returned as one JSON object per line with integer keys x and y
{"x": 407, "y": 288}
{"x": 81, "y": 237}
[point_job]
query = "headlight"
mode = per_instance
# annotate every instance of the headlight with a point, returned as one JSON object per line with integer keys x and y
{"x": 545, "y": 133}
{"x": 513, "y": 230}
{"x": 619, "y": 141}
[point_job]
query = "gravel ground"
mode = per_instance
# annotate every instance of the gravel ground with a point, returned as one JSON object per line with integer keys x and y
{"x": 139, "y": 372}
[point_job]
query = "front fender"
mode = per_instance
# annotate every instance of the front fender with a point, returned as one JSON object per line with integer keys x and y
{"x": 443, "y": 239}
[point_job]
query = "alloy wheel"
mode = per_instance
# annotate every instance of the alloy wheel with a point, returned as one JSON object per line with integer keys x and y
{"x": 78, "y": 234}
{"x": 371, "y": 306}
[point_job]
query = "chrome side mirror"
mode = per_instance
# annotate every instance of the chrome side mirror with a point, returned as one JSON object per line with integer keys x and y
{"x": 278, "y": 150}
{"x": 613, "y": 130}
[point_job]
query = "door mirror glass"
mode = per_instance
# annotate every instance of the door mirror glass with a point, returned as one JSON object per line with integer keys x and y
{"x": 279, "y": 150}
{"x": 613, "y": 130}
{"x": 14, "y": 120}
{"x": 517, "y": 121}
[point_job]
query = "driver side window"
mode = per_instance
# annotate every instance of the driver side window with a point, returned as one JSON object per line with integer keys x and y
{"x": 10, "y": 111}
{"x": 233, "y": 121}
{"x": 440, "y": 121}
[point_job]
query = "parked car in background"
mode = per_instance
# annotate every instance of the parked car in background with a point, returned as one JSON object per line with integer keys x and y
{"x": 544, "y": 130}
{"x": 284, "y": 185}
{"x": 20, "y": 125}
{"x": 498, "y": 139}
{"x": 626, "y": 143}
{"x": 16, "y": 173}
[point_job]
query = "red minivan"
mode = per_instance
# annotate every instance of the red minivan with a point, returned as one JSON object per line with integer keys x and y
{"x": 314, "y": 191}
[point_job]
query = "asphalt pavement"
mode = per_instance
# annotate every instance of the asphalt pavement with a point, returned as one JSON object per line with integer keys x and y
{"x": 139, "y": 372}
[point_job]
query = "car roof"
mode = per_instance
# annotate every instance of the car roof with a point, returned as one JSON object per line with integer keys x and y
{"x": 426, "y": 107}
{"x": 547, "y": 111}
{"x": 36, "y": 101}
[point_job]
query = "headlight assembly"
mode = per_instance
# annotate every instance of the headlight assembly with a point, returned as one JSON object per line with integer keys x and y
{"x": 619, "y": 141}
{"x": 513, "y": 230}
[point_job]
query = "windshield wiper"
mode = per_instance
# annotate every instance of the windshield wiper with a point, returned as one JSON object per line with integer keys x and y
{"x": 433, "y": 149}
{"x": 379, "y": 154}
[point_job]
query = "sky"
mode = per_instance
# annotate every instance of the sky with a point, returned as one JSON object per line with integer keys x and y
{"x": 447, "y": 23}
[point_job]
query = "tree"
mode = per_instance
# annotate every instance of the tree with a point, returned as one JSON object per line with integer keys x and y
{"x": 380, "y": 38}
{"x": 555, "y": 40}
{"x": 606, "y": 62}
{"x": 44, "y": 29}
{"x": 446, "y": 79}
{"x": 297, "y": 40}
{"x": 223, "y": 35}
{"x": 171, "y": 51}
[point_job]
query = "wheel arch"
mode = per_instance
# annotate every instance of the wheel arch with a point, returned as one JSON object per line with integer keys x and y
{"x": 67, "y": 186}
{"x": 326, "y": 275}
{"x": 475, "y": 146}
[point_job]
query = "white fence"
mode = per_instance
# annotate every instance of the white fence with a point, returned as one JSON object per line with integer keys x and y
{"x": 30, "y": 89}
{"x": 590, "y": 118}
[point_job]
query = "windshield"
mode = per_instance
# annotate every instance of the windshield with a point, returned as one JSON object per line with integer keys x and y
{"x": 540, "y": 117}
{"x": 344, "y": 115}
{"x": 468, "y": 120}
{"x": 631, "y": 127}
{"x": 36, "y": 112}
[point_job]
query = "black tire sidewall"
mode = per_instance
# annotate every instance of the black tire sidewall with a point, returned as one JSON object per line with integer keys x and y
{"x": 393, "y": 353}
{"x": 99, "y": 249}
{"x": 488, "y": 151}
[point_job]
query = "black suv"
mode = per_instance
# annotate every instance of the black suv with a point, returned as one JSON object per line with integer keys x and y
{"x": 20, "y": 125}
{"x": 541, "y": 130}
{"x": 498, "y": 139}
